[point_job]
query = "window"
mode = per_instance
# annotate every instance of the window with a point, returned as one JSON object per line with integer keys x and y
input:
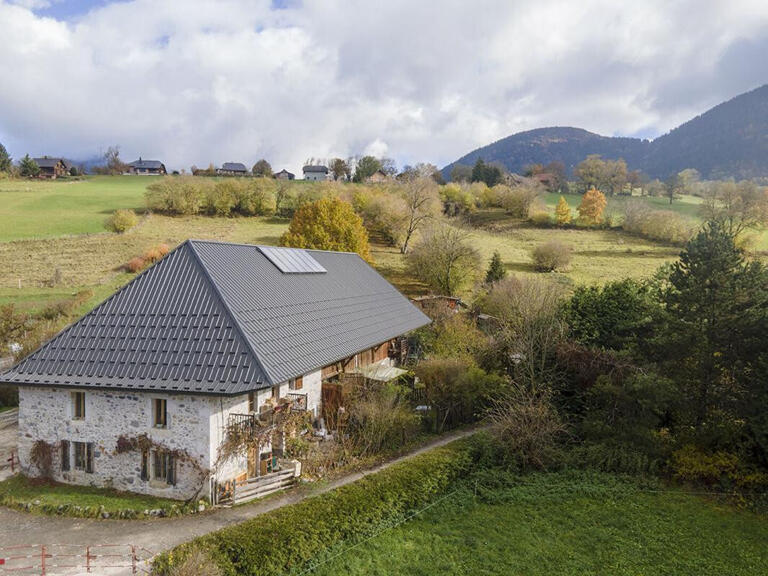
{"x": 78, "y": 405}
{"x": 251, "y": 401}
{"x": 296, "y": 383}
{"x": 84, "y": 456}
{"x": 164, "y": 467}
{"x": 275, "y": 392}
{"x": 65, "y": 455}
{"x": 145, "y": 465}
{"x": 160, "y": 413}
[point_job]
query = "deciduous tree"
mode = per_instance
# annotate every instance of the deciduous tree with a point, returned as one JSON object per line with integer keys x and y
{"x": 445, "y": 260}
{"x": 562, "y": 212}
{"x": 262, "y": 168}
{"x": 366, "y": 167}
{"x": 328, "y": 224}
{"x": 591, "y": 209}
{"x": 422, "y": 204}
{"x": 340, "y": 169}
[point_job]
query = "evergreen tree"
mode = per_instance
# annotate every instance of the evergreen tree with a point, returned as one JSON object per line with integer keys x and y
{"x": 28, "y": 168}
{"x": 563, "y": 212}
{"x": 5, "y": 159}
{"x": 717, "y": 306}
{"x": 496, "y": 270}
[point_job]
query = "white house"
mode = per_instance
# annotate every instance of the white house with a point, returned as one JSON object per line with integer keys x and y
{"x": 139, "y": 393}
{"x": 316, "y": 173}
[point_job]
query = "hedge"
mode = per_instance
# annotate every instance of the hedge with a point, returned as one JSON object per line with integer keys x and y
{"x": 288, "y": 538}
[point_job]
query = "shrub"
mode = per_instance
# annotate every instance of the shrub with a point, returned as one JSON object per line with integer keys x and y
{"x": 457, "y": 199}
{"x": 690, "y": 464}
{"x": 519, "y": 200}
{"x": 121, "y": 221}
{"x": 220, "y": 199}
{"x": 541, "y": 218}
{"x": 664, "y": 225}
{"x": 551, "y": 256}
{"x": 526, "y": 427}
{"x": 135, "y": 265}
{"x": 257, "y": 197}
{"x": 380, "y": 420}
{"x": 183, "y": 195}
{"x": 155, "y": 253}
{"x": 288, "y": 538}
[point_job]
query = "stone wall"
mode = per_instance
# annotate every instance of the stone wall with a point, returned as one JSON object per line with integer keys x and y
{"x": 47, "y": 414}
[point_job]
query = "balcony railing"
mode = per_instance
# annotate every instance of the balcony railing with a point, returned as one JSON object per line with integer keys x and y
{"x": 298, "y": 402}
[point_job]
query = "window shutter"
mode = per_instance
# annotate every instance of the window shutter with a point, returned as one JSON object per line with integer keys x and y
{"x": 65, "y": 455}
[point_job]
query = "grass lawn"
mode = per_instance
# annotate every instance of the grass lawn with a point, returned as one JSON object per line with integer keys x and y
{"x": 81, "y": 501}
{"x": 45, "y": 209}
{"x": 558, "y": 525}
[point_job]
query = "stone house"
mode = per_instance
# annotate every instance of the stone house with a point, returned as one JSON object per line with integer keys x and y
{"x": 146, "y": 167}
{"x": 140, "y": 392}
{"x": 316, "y": 173}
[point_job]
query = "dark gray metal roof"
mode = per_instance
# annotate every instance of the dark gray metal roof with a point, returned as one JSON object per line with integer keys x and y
{"x": 234, "y": 167}
{"x": 148, "y": 164}
{"x": 46, "y": 162}
{"x": 323, "y": 169}
{"x": 218, "y": 318}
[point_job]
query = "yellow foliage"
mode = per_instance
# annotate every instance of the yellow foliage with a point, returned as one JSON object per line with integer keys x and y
{"x": 591, "y": 209}
{"x": 563, "y": 212}
{"x": 328, "y": 224}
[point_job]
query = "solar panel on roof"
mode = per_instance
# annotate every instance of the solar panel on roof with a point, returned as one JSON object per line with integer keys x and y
{"x": 292, "y": 260}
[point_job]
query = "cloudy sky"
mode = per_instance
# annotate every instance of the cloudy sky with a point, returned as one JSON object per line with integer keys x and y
{"x": 194, "y": 81}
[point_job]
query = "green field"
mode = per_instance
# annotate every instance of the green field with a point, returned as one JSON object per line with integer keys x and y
{"x": 555, "y": 524}
{"x": 46, "y": 209}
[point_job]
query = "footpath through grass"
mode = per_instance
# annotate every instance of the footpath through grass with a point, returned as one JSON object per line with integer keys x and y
{"x": 566, "y": 524}
{"x": 36, "y": 496}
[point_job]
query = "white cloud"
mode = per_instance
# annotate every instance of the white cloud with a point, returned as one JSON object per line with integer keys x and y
{"x": 203, "y": 81}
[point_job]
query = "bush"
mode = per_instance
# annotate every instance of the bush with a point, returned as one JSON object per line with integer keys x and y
{"x": 526, "y": 427}
{"x": 184, "y": 195}
{"x": 220, "y": 200}
{"x": 288, "y": 538}
{"x": 540, "y": 218}
{"x": 551, "y": 256}
{"x": 121, "y": 221}
{"x": 380, "y": 420}
{"x": 197, "y": 563}
{"x": 690, "y": 464}
{"x": 135, "y": 265}
{"x": 518, "y": 200}
{"x": 664, "y": 225}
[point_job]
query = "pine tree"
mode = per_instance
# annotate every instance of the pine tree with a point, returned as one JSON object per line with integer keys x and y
{"x": 5, "y": 159}
{"x": 563, "y": 212}
{"x": 496, "y": 270}
{"x": 28, "y": 167}
{"x": 591, "y": 208}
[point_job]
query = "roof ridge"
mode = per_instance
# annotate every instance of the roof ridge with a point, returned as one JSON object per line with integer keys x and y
{"x": 228, "y": 309}
{"x": 225, "y": 243}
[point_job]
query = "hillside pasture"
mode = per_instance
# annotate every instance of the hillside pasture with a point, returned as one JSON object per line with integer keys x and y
{"x": 48, "y": 209}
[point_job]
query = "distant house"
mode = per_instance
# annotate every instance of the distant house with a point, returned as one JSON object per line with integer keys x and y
{"x": 146, "y": 167}
{"x": 545, "y": 179}
{"x": 232, "y": 169}
{"x": 378, "y": 176}
{"x": 285, "y": 175}
{"x": 316, "y": 173}
{"x": 52, "y": 167}
{"x": 140, "y": 394}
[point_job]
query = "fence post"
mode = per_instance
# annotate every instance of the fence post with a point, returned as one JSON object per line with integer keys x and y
{"x": 42, "y": 560}
{"x": 133, "y": 559}
{"x": 88, "y": 559}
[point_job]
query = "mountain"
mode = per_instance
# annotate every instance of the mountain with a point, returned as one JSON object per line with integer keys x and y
{"x": 730, "y": 140}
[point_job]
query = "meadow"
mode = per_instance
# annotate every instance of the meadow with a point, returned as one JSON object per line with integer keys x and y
{"x": 553, "y": 524}
{"x": 53, "y": 243}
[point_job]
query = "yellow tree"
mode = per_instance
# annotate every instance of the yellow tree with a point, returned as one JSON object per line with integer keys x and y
{"x": 591, "y": 208}
{"x": 563, "y": 212}
{"x": 328, "y": 224}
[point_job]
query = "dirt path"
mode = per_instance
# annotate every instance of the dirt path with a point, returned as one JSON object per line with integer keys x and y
{"x": 17, "y": 528}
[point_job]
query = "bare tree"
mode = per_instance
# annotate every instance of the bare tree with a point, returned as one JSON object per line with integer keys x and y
{"x": 736, "y": 206}
{"x": 445, "y": 260}
{"x": 422, "y": 204}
